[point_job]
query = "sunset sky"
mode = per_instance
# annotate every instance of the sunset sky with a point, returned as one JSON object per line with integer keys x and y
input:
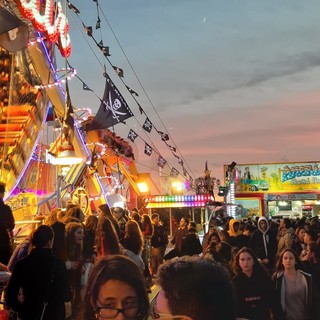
{"x": 230, "y": 80}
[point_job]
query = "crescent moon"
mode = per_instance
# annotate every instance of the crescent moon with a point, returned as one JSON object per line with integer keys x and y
{"x": 204, "y": 20}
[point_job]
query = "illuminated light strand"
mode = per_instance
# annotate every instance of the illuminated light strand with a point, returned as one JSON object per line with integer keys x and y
{"x": 60, "y": 81}
{"x": 182, "y": 199}
{"x": 81, "y": 117}
{"x": 51, "y": 21}
{"x": 38, "y": 40}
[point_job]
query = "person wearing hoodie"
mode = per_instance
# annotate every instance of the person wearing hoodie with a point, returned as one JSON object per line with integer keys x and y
{"x": 264, "y": 244}
{"x": 235, "y": 233}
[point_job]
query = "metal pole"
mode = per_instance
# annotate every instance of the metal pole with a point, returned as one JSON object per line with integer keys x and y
{"x": 59, "y": 180}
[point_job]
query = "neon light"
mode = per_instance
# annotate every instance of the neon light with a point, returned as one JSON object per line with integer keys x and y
{"x": 52, "y": 22}
{"x": 198, "y": 200}
{"x": 60, "y": 81}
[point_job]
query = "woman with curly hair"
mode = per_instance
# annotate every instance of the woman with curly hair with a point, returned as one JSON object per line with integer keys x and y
{"x": 116, "y": 285}
{"x": 254, "y": 288}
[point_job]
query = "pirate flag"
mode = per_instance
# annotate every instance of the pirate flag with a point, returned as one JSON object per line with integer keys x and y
{"x": 113, "y": 108}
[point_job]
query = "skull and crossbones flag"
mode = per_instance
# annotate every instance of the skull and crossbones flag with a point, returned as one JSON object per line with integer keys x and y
{"x": 147, "y": 149}
{"x": 113, "y": 108}
{"x": 174, "y": 173}
{"x": 161, "y": 162}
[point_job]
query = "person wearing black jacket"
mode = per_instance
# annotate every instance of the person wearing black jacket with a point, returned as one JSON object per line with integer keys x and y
{"x": 38, "y": 286}
{"x": 7, "y": 224}
{"x": 256, "y": 294}
{"x": 159, "y": 241}
{"x": 190, "y": 243}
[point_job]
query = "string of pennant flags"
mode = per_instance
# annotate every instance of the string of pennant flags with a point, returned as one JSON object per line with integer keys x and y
{"x": 114, "y": 109}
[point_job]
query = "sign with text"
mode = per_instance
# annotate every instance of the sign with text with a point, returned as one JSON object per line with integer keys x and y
{"x": 277, "y": 177}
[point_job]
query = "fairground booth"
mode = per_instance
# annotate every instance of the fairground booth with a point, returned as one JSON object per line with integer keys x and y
{"x": 277, "y": 189}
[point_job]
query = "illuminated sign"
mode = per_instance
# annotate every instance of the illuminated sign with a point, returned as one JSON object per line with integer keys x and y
{"x": 178, "y": 201}
{"x": 188, "y": 198}
{"x": 48, "y": 17}
{"x": 277, "y": 177}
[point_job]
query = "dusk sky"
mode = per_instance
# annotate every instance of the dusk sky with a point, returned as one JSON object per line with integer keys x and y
{"x": 230, "y": 80}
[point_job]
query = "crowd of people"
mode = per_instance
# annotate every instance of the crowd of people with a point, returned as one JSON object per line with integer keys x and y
{"x": 78, "y": 242}
{"x": 104, "y": 265}
{"x": 274, "y": 265}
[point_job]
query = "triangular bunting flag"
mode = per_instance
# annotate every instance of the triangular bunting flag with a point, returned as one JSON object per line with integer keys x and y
{"x": 140, "y": 109}
{"x": 73, "y": 8}
{"x": 132, "y": 92}
{"x": 85, "y": 87}
{"x": 180, "y": 161}
{"x": 113, "y": 108}
{"x": 161, "y": 162}
{"x": 147, "y": 126}
{"x": 88, "y": 30}
{"x": 173, "y": 149}
{"x": 164, "y": 136}
{"x": 174, "y": 173}
{"x": 132, "y": 135}
{"x": 185, "y": 172}
{"x": 98, "y": 23}
{"x": 147, "y": 149}
{"x": 119, "y": 71}
{"x": 105, "y": 51}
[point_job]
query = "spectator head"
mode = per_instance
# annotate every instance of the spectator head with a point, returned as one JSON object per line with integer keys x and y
{"x": 184, "y": 222}
{"x": 115, "y": 271}
{"x": 136, "y": 217}
{"x": 237, "y": 266}
{"x": 117, "y": 212}
{"x": 192, "y": 226}
{"x": 209, "y": 282}
{"x": 214, "y": 238}
{"x": 42, "y": 237}
{"x": 310, "y": 235}
{"x": 284, "y": 256}
{"x": 104, "y": 210}
{"x": 285, "y": 223}
{"x": 155, "y": 217}
{"x": 135, "y": 210}
{"x": 263, "y": 224}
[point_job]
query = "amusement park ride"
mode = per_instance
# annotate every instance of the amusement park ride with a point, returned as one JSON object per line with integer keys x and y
{"x": 31, "y": 86}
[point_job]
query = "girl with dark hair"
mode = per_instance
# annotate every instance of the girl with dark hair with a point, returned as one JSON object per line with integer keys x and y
{"x": 147, "y": 231}
{"x": 107, "y": 241}
{"x": 104, "y": 211}
{"x": 298, "y": 243}
{"x": 116, "y": 285}
{"x": 59, "y": 229}
{"x": 254, "y": 288}
{"x": 295, "y": 290}
{"x": 74, "y": 262}
{"x": 310, "y": 262}
{"x": 133, "y": 243}
{"x": 74, "y": 214}
{"x": 90, "y": 229}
